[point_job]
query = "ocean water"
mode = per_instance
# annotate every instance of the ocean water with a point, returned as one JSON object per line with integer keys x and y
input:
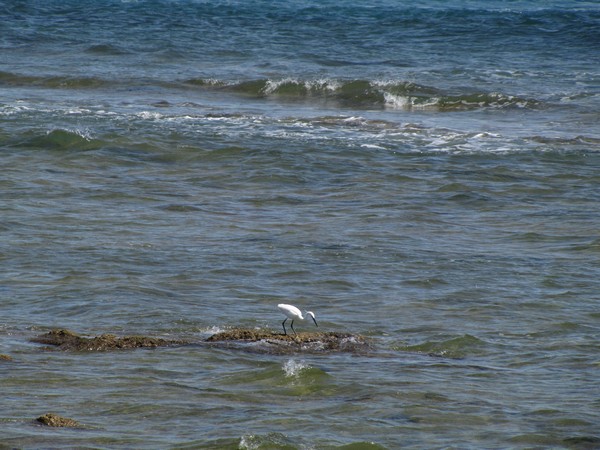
{"x": 426, "y": 174}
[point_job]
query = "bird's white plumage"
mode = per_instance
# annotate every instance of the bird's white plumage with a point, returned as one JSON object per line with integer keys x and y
{"x": 291, "y": 312}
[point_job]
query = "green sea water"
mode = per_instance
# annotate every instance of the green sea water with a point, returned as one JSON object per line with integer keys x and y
{"x": 425, "y": 176}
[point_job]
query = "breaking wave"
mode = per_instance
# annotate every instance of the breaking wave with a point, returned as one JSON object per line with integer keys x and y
{"x": 62, "y": 139}
{"x": 361, "y": 94}
{"x": 367, "y": 93}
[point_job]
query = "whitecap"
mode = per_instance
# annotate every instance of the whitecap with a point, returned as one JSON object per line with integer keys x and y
{"x": 373, "y": 146}
{"x": 396, "y": 101}
{"x": 272, "y": 85}
{"x": 149, "y": 115}
{"x": 323, "y": 84}
{"x": 354, "y": 120}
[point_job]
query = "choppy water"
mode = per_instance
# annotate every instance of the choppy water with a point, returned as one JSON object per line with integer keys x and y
{"x": 426, "y": 175}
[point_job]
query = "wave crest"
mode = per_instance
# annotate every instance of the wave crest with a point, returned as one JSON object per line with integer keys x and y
{"x": 367, "y": 94}
{"x": 62, "y": 139}
{"x": 353, "y": 93}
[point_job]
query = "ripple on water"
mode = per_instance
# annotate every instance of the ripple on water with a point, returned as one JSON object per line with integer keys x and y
{"x": 282, "y": 442}
{"x": 457, "y": 347}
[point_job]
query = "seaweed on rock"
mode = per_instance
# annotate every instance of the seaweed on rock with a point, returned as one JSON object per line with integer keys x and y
{"x": 315, "y": 341}
{"x": 265, "y": 340}
{"x": 67, "y": 340}
{"x": 54, "y": 420}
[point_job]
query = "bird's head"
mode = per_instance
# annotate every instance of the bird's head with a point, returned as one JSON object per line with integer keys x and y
{"x": 312, "y": 316}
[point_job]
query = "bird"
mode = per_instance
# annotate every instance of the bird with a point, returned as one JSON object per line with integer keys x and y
{"x": 291, "y": 312}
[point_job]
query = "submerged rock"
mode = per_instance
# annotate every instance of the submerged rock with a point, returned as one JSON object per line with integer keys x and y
{"x": 5, "y": 358}
{"x": 67, "y": 340}
{"x": 249, "y": 339}
{"x": 315, "y": 341}
{"x": 53, "y": 420}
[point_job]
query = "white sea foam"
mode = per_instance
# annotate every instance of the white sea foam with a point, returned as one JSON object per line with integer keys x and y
{"x": 373, "y": 146}
{"x": 292, "y": 368}
{"x": 311, "y": 86}
{"x": 212, "y": 330}
{"x": 78, "y": 111}
{"x": 8, "y": 110}
{"x": 396, "y": 101}
{"x": 247, "y": 443}
{"x": 269, "y": 440}
{"x": 82, "y": 133}
{"x": 149, "y": 115}
{"x": 273, "y": 85}
{"x": 354, "y": 121}
{"x": 323, "y": 84}
{"x": 213, "y": 82}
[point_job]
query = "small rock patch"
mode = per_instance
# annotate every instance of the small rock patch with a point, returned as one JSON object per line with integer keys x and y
{"x": 54, "y": 420}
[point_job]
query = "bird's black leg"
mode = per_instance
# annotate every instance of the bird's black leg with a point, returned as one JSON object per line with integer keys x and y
{"x": 292, "y": 325}
{"x": 283, "y": 324}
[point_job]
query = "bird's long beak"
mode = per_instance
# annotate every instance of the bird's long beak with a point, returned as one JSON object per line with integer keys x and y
{"x": 315, "y": 321}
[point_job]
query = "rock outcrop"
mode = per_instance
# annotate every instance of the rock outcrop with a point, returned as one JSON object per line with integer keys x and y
{"x": 68, "y": 340}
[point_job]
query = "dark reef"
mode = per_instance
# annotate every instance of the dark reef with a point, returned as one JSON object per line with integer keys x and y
{"x": 67, "y": 340}
{"x": 317, "y": 341}
{"x": 267, "y": 340}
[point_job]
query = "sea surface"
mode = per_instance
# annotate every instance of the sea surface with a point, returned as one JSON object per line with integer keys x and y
{"x": 425, "y": 174}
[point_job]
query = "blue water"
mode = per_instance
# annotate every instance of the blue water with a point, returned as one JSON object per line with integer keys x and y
{"x": 424, "y": 175}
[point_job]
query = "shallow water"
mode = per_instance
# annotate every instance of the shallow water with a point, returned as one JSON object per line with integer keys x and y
{"x": 427, "y": 177}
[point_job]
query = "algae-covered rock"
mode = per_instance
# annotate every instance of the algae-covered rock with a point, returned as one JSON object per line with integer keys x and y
{"x": 5, "y": 358}
{"x": 67, "y": 340}
{"x": 54, "y": 420}
{"x": 315, "y": 341}
{"x": 266, "y": 340}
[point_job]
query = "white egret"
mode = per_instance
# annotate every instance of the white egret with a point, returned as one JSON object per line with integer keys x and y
{"x": 291, "y": 312}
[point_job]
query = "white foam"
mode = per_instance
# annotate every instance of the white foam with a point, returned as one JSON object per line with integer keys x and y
{"x": 213, "y": 82}
{"x": 247, "y": 442}
{"x": 396, "y": 101}
{"x": 292, "y": 368}
{"x": 311, "y": 86}
{"x": 82, "y": 133}
{"x": 273, "y": 85}
{"x": 149, "y": 115}
{"x": 212, "y": 330}
{"x": 13, "y": 109}
{"x": 78, "y": 111}
{"x": 373, "y": 146}
{"x": 324, "y": 84}
{"x": 485, "y": 134}
{"x": 354, "y": 121}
